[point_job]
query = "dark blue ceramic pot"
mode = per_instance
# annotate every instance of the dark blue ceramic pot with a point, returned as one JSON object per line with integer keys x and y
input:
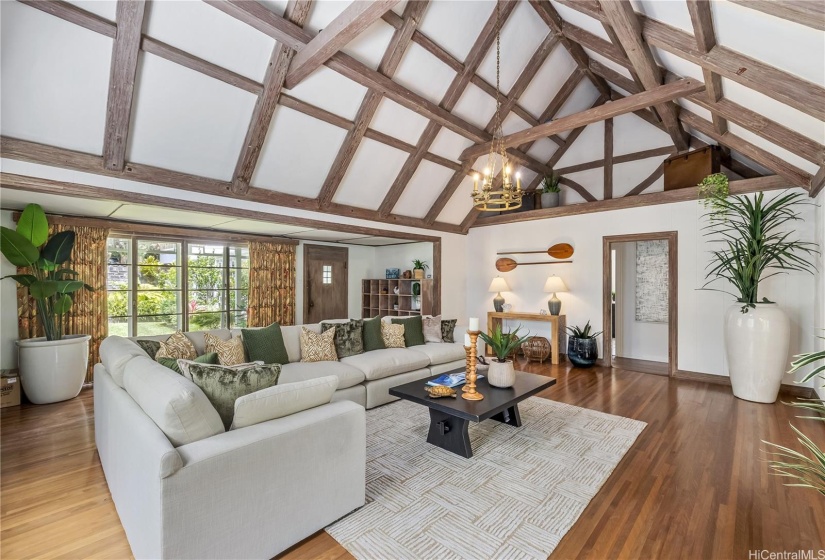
{"x": 583, "y": 352}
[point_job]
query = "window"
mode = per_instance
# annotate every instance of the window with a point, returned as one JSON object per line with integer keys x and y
{"x": 158, "y": 286}
{"x": 326, "y": 274}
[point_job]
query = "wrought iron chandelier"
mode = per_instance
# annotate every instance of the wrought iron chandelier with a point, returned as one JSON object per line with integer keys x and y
{"x": 502, "y": 191}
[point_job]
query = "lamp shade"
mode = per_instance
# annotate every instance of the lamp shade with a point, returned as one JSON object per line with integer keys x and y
{"x": 554, "y": 284}
{"x": 499, "y": 285}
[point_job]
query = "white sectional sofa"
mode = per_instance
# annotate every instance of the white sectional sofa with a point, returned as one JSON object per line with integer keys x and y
{"x": 255, "y": 491}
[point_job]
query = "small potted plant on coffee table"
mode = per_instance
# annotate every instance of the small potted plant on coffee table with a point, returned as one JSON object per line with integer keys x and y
{"x": 501, "y": 372}
{"x": 550, "y": 191}
{"x": 582, "y": 348}
{"x": 418, "y": 268}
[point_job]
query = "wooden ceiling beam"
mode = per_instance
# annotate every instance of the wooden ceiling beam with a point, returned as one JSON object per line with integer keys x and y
{"x": 125, "y": 50}
{"x": 71, "y": 13}
{"x": 624, "y": 158}
{"x": 810, "y": 13}
{"x": 818, "y": 182}
{"x": 608, "y": 159}
{"x": 702, "y": 21}
{"x": 648, "y": 181}
{"x": 350, "y": 23}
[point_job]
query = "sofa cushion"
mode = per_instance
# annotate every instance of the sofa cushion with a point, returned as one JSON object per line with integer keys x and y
{"x": 292, "y": 339}
{"x": 151, "y": 347}
{"x": 177, "y": 346}
{"x": 432, "y": 329}
{"x": 282, "y": 400}
{"x": 442, "y": 352}
{"x": 174, "y": 365}
{"x": 175, "y": 404}
{"x": 265, "y": 345}
{"x": 392, "y": 335}
{"x": 115, "y": 353}
{"x": 318, "y": 347}
{"x": 348, "y": 376}
{"x": 448, "y": 330}
{"x": 230, "y": 352}
{"x": 413, "y": 330}
{"x": 349, "y": 337}
{"x": 372, "y": 335}
{"x": 390, "y": 361}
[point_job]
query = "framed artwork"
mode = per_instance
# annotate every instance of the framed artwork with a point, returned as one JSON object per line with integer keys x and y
{"x": 393, "y": 273}
{"x": 651, "y": 281}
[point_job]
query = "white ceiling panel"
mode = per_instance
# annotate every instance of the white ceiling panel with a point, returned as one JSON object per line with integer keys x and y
{"x": 65, "y": 205}
{"x": 448, "y": 144}
{"x": 325, "y": 235}
{"x": 677, "y": 65}
{"x": 258, "y": 227}
{"x": 400, "y": 7}
{"x": 475, "y": 106}
{"x": 634, "y": 134}
{"x": 297, "y": 154}
{"x": 106, "y": 9}
{"x": 581, "y": 20}
{"x": 316, "y": 90}
{"x": 441, "y": 24}
{"x": 589, "y": 146}
{"x": 581, "y": 99}
{"x": 424, "y": 187}
{"x": 210, "y": 34}
{"x": 321, "y": 14}
{"x": 569, "y": 196}
{"x": 416, "y": 63}
{"x": 513, "y": 123}
{"x": 459, "y": 204}
{"x": 159, "y": 215}
{"x": 399, "y": 122}
{"x": 54, "y": 79}
{"x": 592, "y": 180}
{"x": 771, "y": 148}
{"x": 627, "y": 175}
{"x": 671, "y": 12}
{"x": 370, "y": 45}
{"x": 521, "y": 35}
{"x": 185, "y": 121}
{"x": 543, "y": 149}
{"x": 527, "y": 176}
{"x": 370, "y": 175}
{"x": 547, "y": 82}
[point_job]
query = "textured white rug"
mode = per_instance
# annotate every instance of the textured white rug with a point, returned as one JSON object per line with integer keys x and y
{"x": 515, "y": 498}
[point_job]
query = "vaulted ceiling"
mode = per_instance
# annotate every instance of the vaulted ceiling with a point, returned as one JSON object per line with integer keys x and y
{"x": 380, "y": 110}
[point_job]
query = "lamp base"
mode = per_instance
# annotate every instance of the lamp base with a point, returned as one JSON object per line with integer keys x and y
{"x": 498, "y": 303}
{"x": 554, "y": 305}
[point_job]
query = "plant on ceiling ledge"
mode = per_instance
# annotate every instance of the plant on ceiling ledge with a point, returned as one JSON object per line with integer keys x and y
{"x": 550, "y": 191}
{"x": 418, "y": 268}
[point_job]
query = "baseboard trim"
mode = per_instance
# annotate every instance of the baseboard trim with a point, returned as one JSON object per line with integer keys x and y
{"x": 788, "y": 390}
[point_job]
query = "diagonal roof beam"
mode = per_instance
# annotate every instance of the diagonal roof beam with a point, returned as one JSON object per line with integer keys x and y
{"x": 627, "y": 26}
{"x": 355, "y": 18}
{"x": 125, "y": 52}
{"x": 702, "y": 21}
{"x": 805, "y": 12}
{"x": 389, "y": 64}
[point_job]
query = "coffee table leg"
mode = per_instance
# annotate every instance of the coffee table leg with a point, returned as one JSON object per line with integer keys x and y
{"x": 509, "y": 416}
{"x": 449, "y": 433}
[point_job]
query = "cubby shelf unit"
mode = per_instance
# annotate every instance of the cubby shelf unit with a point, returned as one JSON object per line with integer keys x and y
{"x": 379, "y": 299}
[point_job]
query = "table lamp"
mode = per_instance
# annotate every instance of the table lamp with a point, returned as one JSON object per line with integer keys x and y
{"x": 498, "y": 285}
{"x": 553, "y": 285}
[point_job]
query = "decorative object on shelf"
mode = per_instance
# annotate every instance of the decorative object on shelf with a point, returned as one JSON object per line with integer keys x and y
{"x": 556, "y": 323}
{"x": 395, "y": 290}
{"x": 384, "y": 291}
{"x": 498, "y": 191}
{"x": 393, "y": 273}
{"x": 504, "y": 345}
{"x": 418, "y": 268}
{"x": 554, "y": 285}
{"x": 52, "y": 368}
{"x": 507, "y": 307}
{"x": 497, "y": 286}
{"x": 543, "y": 312}
{"x": 469, "y": 391}
{"x": 507, "y": 265}
{"x": 415, "y": 288}
{"x": 757, "y": 333}
{"x": 557, "y": 251}
{"x": 550, "y": 191}
{"x": 407, "y": 274}
{"x": 536, "y": 348}
{"x": 395, "y": 297}
{"x": 440, "y": 391}
{"x": 395, "y": 307}
{"x": 582, "y": 347}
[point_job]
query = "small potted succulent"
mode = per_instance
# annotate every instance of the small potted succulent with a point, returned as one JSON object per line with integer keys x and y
{"x": 582, "y": 348}
{"x": 418, "y": 268}
{"x": 501, "y": 372}
{"x": 550, "y": 191}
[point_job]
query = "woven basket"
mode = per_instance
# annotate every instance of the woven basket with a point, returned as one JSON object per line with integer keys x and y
{"x": 537, "y": 349}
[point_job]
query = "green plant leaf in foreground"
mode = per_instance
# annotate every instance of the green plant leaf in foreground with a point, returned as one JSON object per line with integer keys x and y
{"x": 18, "y": 250}
{"x": 59, "y": 248}
{"x": 33, "y": 225}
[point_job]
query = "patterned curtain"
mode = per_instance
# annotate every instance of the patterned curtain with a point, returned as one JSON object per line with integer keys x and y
{"x": 89, "y": 312}
{"x": 271, "y": 284}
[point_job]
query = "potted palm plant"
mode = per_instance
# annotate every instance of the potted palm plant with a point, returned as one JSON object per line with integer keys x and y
{"x": 753, "y": 243}
{"x": 550, "y": 191}
{"x": 53, "y": 367}
{"x": 582, "y": 347}
{"x": 501, "y": 372}
{"x": 418, "y": 268}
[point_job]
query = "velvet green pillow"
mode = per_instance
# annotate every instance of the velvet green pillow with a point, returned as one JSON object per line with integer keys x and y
{"x": 172, "y": 363}
{"x": 265, "y": 345}
{"x": 372, "y": 335}
{"x": 222, "y": 385}
{"x": 413, "y": 330}
{"x": 349, "y": 337}
{"x": 151, "y": 347}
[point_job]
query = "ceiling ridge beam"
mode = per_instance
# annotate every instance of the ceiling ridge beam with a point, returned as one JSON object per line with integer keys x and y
{"x": 398, "y": 45}
{"x": 702, "y": 21}
{"x": 122, "y": 73}
{"x": 803, "y": 12}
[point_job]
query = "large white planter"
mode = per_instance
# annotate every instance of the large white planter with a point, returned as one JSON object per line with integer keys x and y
{"x": 756, "y": 344}
{"x": 501, "y": 374}
{"x": 53, "y": 371}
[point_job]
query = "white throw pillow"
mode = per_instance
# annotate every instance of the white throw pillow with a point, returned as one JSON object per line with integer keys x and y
{"x": 432, "y": 329}
{"x": 174, "y": 403}
{"x": 282, "y": 400}
{"x": 115, "y": 353}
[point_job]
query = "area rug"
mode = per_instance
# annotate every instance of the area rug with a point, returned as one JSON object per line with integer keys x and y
{"x": 518, "y": 495}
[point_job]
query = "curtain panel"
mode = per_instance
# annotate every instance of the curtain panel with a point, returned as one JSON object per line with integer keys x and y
{"x": 89, "y": 313}
{"x": 271, "y": 284}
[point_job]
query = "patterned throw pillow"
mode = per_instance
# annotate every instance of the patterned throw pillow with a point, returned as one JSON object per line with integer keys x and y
{"x": 230, "y": 352}
{"x": 448, "y": 330}
{"x": 151, "y": 347}
{"x": 349, "y": 337}
{"x": 432, "y": 329}
{"x": 175, "y": 365}
{"x": 413, "y": 330}
{"x": 178, "y": 347}
{"x": 265, "y": 345}
{"x": 318, "y": 347}
{"x": 372, "y": 335}
{"x": 222, "y": 385}
{"x": 393, "y": 335}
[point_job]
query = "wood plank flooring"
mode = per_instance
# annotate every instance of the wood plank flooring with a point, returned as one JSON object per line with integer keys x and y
{"x": 694, "y": 485}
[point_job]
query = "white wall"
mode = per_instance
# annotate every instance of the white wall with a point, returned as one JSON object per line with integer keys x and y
{"x": 401, "y": 257}
{"x": 700, "y": 345}
{"x": 8, "y": 304}
{"x": 635, "y": 339}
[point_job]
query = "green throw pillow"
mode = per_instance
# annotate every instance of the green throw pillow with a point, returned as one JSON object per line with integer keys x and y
{"x": 448, "y": 330}
{"x": 222, "y": 385}
{"x": 372, "y": 335}
{"x": 151, "y": 347}
{"x": 349, "y": 338}
{"x": 413, "y": 330}
{"x": 172, "y": 363}
{"x": 265, "y": 345}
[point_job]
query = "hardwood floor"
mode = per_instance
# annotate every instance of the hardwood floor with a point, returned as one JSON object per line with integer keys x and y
{"x": 694, "y": 485}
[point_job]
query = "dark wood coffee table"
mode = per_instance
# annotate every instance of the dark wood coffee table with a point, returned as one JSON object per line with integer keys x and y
{"x": 450, "y": 418}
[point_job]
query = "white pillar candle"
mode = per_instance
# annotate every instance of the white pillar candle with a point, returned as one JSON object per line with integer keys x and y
{"x": 467, "y": 341}
{"x": 473, "y": 323}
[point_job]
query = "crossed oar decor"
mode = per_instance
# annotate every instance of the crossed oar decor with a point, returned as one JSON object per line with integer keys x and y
{"x": 558, "y": 251}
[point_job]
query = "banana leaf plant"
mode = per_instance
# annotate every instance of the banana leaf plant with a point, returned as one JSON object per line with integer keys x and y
{"x": 503, "y": 343}
{"x": 49, "y": 280}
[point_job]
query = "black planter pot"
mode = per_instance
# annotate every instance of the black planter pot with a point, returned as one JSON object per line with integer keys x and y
{"x": 583, "y": 352}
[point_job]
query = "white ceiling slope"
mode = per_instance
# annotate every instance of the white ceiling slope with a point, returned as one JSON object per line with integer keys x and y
{"x": 55, "y": 78}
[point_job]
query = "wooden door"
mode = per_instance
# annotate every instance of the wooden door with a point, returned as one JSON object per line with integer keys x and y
{"x": 325, "y": 283}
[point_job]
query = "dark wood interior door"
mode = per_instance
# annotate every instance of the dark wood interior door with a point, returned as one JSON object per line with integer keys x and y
{"x": 325, "y": 283}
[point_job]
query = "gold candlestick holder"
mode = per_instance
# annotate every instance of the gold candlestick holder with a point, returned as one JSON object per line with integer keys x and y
{"x": 469, "y": 390}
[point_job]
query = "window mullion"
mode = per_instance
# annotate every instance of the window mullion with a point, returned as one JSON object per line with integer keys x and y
{"x": 184, "y": 268}
{"x": 133, "y": 288}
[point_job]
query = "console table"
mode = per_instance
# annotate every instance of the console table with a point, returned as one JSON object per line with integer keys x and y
{"x": 557, "y": 327}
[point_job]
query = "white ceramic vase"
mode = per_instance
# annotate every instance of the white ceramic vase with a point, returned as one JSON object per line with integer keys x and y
{"x": 501, "y": 374}
{"x": 53, "y": 370}
{"x": 757, "y": 344}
